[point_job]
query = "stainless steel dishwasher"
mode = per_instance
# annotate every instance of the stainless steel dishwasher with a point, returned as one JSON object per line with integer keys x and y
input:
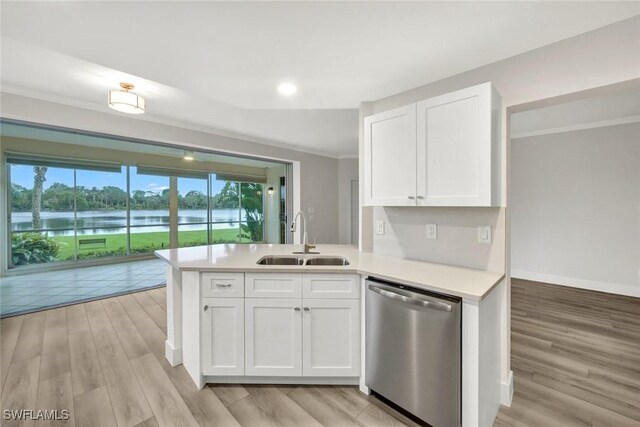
{"x": 413, "y": 350}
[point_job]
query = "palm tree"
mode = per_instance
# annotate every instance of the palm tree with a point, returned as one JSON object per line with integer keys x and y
{"x": 39, "y": 173}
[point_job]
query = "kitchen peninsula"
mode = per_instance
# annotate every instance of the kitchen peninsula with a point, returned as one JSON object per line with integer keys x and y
{"x": 233, "y": 320}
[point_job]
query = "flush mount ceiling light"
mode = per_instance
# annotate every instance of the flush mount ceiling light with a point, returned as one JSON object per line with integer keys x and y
{"x": 188, "y": 155}
{"x": 287, "y": 89}
{"x": 126, "y": 101}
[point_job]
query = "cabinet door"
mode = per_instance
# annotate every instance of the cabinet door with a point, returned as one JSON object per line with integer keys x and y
{"x": 454, "y": 148}
{"x": 223, "y": 336}
{"x": 273, "y": 337}
{"x": 390, "y": 158}
{"x": 331, "y": 338}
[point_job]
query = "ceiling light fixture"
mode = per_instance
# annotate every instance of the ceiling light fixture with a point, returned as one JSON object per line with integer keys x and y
{"x": 126, "y": 101}
{"x": 287, "y": 89}
{"x": 270, "y": 191}
{"x": 188, "y": 155}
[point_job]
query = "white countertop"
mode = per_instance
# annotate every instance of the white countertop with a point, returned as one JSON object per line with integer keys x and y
{"x": 462, "y": 282}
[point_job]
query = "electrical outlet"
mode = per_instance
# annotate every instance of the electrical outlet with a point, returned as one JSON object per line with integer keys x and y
{"x": 379, "y": 226}
{"x": 432, "y": 231}
{"x": 484, "y": 234}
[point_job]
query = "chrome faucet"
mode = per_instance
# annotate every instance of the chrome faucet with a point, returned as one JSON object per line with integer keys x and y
{"x": 305, "y": 242}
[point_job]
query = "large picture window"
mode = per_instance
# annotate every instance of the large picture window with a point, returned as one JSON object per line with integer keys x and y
{"x": 70, "y": 213}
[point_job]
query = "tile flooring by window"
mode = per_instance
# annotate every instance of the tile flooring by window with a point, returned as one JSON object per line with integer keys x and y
{"x": 26, "y": 293}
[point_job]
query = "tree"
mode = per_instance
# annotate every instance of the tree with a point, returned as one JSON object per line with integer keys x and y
{"x": 251, "y": 202}
{"x": 39, "y": 177}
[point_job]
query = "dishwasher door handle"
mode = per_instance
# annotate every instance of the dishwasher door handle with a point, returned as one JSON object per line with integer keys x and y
{"x": 435, "y": 305}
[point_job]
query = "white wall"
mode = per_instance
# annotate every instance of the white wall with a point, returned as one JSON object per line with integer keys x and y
{"x": 318, "y": 174}
{"x": 457, "y": 231}
{"x": 347, "y": 171}
{"x": 575, "y": 208}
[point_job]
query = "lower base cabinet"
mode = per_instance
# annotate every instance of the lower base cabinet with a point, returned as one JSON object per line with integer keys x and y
{"x": 222, "y": 321}
{"x": 331, "y": 338}
{"x": 283, "y": 337}
{"x": 273, "y": 337}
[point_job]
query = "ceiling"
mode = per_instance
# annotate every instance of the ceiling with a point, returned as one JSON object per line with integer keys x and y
{"x": 215, "y": 65}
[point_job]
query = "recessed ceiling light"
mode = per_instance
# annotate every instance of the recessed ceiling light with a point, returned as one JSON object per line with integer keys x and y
{"x": 126, "y": 101}
{"x": 287, "y": 89}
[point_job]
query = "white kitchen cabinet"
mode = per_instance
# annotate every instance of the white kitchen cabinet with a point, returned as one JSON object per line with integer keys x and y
{"x": 323, "y": 285}
{"x": 222, "y": 321}
{"x": 223, "y": 285}
{"x": 390, "y": 158}
{"x": 331, "y": 337}
{"x": 456, "y": 142}
{"x": 453, "y": 159}
{"x": 273, "y": 337}
{"x": 273, "y": 285}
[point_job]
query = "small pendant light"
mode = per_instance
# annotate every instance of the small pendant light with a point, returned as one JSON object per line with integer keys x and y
{"x": 126, "y": 101}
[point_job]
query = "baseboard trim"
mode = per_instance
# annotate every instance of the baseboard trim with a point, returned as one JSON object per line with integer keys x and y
{"x": 173, "y": 355}
{"x": 506, "y": 390}
{"x": 573, "y": 282}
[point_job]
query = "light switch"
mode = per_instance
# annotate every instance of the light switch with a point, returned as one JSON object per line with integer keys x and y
{"x": 484, "y": 234}
{"x": 379, "y": 226}
{"x": 432, "y": 231}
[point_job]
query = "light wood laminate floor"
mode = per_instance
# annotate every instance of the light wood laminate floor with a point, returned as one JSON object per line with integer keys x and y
{"x": 575, "y": 355}
{"x": 576, "y": 359}
{"x": 104, "y": 362}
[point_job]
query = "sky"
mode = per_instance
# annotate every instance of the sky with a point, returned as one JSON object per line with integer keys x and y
{"x": 23, "y": 175}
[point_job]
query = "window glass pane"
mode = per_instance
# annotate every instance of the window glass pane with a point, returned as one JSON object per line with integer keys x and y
{"x": 225, "y": 211}
{"x": 101, "y": 200}
{"x": 149, "y": 212}
{"x": 192, "y": 212}
{"x": 251, "y": 202}
{"x": 42, "y": 199}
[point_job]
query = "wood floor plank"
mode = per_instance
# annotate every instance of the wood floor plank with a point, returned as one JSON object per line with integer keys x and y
{"x": 165, "y": 401}
{"x": 158, "y": 296}
{"x": 86, "y": 372}
{"x": 127, "y": 398}
{"x": 9, "y": 332}
{"x": 229, "y": 393}
{"x": 56, "y": 394}
{"x": 132, "y": 342}
{"x": 55, "y": 345}
{"x": 157, "y": 313}
{"x": 280, "y": 407}
{"x": 21, "y": 388}
{"x": 93, "y": 409}
{"x": 325, "y": 411}
{"x": 29, "y": 343}
{"x": 374, "y": 416}
{"x": 77, "y": 319}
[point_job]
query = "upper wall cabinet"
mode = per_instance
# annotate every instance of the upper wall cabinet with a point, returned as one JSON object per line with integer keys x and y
{"x": 390, "y": 157}
{"x": 443, "y": 151}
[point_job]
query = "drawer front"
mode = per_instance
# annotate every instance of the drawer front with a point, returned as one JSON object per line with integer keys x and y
{"x": 223, "y": 285}
{"x": 330, "y": 286}
{"x": 273, "y": 285}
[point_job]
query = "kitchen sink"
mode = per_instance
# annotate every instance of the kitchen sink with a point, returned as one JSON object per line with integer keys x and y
{"x": 280, "y": 260}
{"x": 292, "y": 260}
{"x": 329, "y": 260}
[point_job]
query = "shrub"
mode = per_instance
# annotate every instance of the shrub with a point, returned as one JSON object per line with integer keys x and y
{"x": 33, "y": 248}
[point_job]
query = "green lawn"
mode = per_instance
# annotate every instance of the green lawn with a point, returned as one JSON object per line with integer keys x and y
{"x": 140, "y": 242}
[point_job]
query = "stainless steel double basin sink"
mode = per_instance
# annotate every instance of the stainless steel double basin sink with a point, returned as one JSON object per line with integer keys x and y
{"x": 295, "y": 260}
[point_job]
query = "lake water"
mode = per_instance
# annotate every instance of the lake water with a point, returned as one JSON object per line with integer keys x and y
{"x": 110, "y": 222}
